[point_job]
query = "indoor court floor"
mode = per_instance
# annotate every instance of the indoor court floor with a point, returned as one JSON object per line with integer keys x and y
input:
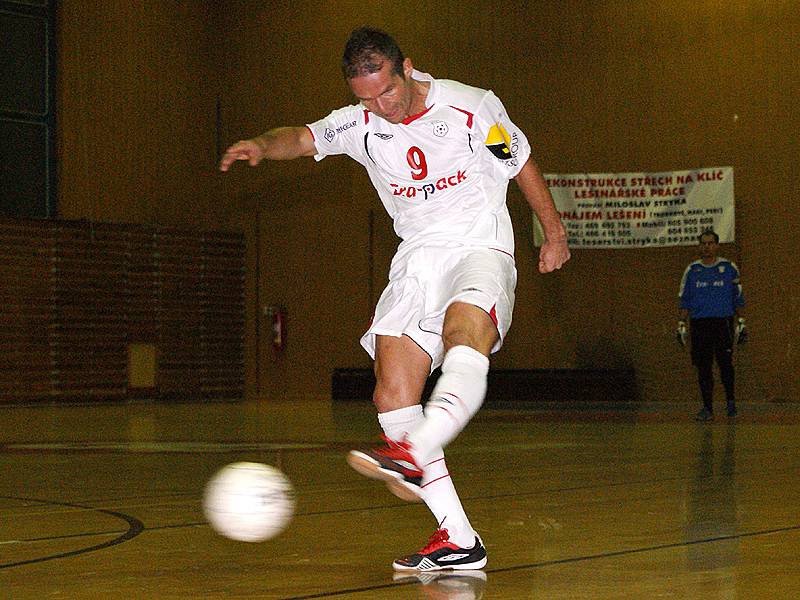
{"x": 573, "y": 502}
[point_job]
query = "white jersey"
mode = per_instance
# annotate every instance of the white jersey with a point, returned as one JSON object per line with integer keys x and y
{"x": 442, "y": 174}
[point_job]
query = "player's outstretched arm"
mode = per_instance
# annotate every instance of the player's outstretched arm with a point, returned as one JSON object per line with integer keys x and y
{"x": 282, "y": 143}
{"x": 554, "y": 252}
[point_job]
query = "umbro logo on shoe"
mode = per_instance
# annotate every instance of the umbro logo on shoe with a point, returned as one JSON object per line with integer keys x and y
{"x": 450, "y": 557}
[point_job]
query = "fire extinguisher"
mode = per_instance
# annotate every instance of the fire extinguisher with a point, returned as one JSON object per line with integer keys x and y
{"x": 277, "y": 316}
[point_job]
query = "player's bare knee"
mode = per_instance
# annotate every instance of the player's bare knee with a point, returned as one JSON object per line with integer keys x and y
{"x": 390, "y": 394}
{"x": 457, "y": 336}
{"x": 469, "y": 325}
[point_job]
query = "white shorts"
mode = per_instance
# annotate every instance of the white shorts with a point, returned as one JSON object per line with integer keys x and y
{"x": 426, "y": 280}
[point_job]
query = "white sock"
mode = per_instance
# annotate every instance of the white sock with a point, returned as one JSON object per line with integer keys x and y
{"x": 456, "y": 398}
{"x": 439, "y": 493}
{"x": 442, "y": 499}
{"x": 397, "y": 423}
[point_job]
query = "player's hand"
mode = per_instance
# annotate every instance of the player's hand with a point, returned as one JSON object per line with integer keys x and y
{"x": 247, "y": 150}
{"x": 740, "y": 333}
{"x": 681, "y": 334}
{"x": 553, "y": 255}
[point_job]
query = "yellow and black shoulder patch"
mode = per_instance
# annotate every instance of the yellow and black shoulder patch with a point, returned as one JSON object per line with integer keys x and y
{"x": 498, "y": 142}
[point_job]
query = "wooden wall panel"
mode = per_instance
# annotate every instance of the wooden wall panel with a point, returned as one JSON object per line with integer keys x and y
{"x": 223, "y": 316}
{"x": 597, "y": 85}
{"x": 78, "y": 295}
{"x": 25, "y": 292}
{"x": 88, "y": 341}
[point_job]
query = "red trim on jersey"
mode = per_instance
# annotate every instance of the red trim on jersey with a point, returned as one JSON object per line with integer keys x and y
{"x": 493, "y": 315}
{"x": 466, "y": 112}
{"x": 366, "y": 116}
{"x": 413, "y": 118}
{"x": 312, "y": 134}
{"x": 503, "y": 251}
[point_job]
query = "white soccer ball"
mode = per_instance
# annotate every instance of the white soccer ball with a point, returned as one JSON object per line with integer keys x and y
{"x": 249, "y": 502}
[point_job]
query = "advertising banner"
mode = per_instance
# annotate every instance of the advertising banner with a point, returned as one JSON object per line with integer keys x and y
{"x": 637, "y": 210}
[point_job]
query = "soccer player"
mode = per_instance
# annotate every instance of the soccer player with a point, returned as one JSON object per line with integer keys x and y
{"x": 440, "y": 155}
{"x": 710, "y": 296}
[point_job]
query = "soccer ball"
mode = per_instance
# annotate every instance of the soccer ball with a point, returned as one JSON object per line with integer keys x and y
{"x": 249, "y": 502}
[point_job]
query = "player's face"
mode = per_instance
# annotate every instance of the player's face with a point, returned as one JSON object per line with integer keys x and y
{"x": 708, "y": 247}
{"x": 385, "y": 93}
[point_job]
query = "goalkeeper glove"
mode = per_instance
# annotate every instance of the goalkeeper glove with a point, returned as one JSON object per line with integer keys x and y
{"x": 740, "y": 332}
{"x": 681, "y": 334}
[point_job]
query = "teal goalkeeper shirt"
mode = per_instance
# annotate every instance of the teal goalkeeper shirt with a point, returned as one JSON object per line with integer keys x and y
{"x": 711, "y": 290}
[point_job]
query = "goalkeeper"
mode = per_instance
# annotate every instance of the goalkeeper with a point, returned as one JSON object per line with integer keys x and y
{"x": 711, "y": 300}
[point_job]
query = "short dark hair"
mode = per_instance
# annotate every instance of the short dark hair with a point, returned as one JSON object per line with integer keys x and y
{"x": 366, "y": 51}
{"x": 708, "y": 232}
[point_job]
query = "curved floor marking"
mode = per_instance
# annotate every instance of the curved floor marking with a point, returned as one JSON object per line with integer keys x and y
{"x": 135, "y": 527}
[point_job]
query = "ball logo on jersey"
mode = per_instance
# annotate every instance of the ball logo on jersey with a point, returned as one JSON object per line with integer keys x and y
{"x": 440, "y": 128}
{"x": 499, "y": 142}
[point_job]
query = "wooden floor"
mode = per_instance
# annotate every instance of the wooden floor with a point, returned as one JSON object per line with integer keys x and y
{"x": 572, "y": 502}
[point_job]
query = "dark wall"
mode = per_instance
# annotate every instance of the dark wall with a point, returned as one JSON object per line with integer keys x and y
{"x": 27, "y": 111}
{"x": 597, "y": 86}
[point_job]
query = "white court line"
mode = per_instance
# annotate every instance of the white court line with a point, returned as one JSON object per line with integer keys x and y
{"x": 154, "y": 447}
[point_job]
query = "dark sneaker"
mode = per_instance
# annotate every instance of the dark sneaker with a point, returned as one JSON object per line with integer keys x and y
{"x": 393, "y": 464}
{"x": 464, "y": 585}
{"x": 731, "y": 409}
{"x": 704, "y": 415}
{"x": 440, "y": 553}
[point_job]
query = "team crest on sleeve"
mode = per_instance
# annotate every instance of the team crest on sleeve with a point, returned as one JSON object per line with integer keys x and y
{"x": 499, "y": 142}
